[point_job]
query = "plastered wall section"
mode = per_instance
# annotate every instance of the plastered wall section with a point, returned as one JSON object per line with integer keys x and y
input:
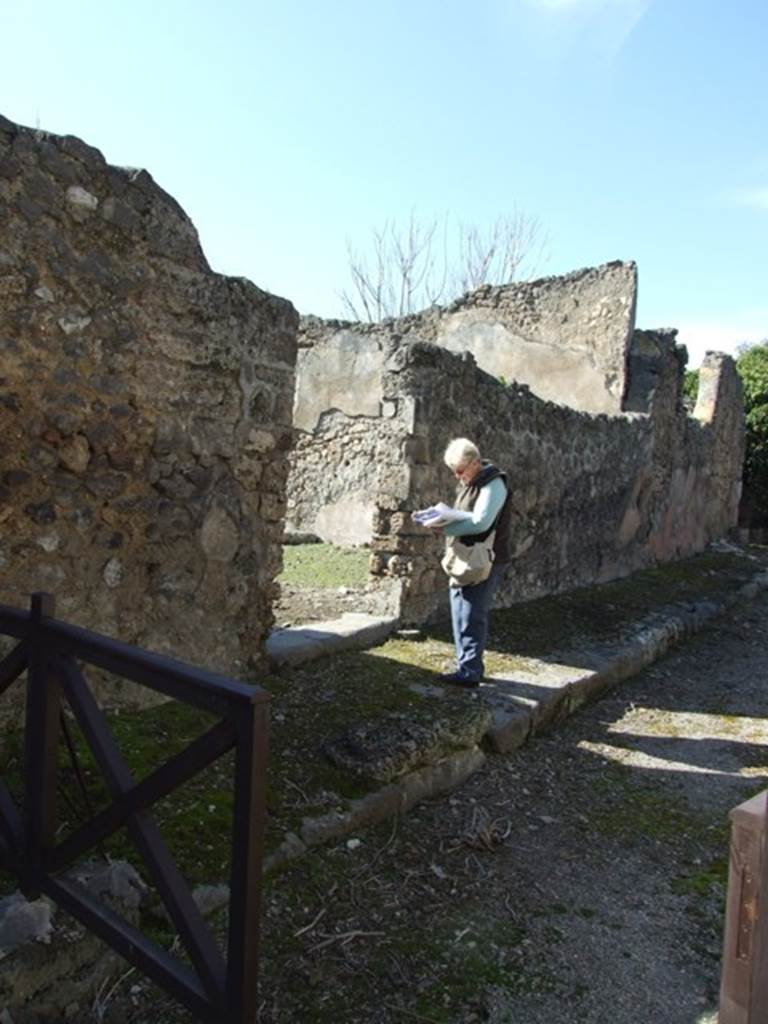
{"x": 348, "y": 437}
{"x": 338, "y": 369}
{"x": 566, "y": 337}
{"x": 341, "y": 467}
{"x": 145, "y": 411}
{"x": 596, "y": 497}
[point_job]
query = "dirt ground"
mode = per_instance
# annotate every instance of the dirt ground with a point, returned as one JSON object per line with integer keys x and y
{"x": 299, "y": 605}
{"x": 580, "y": 880}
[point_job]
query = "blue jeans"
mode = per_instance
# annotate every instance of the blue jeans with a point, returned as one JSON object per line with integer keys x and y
{"x": 469, "y": 618}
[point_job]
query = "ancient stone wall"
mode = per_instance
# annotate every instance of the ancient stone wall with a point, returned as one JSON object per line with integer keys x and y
{"x": 338, "y": 369}
{"x": 145, "y": 411}
{"x": 344, "y": 465}
{"x": 595, "y": 497}
{"x": 347, "y": 438}
{"x": 566, "y": 337}
{"x": 610, "y": 474}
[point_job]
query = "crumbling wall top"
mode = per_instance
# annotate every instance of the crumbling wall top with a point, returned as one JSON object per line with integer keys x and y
{"x": 566, "y": 337}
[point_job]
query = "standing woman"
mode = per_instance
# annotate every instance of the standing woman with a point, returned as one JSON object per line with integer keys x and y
{"x": 483, "y": 493}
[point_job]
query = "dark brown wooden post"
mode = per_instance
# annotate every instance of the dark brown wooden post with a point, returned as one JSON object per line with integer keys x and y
{"x": 744, "y": 982}
{"x": 40, "y": 746}
{"x": 247, "y": 849}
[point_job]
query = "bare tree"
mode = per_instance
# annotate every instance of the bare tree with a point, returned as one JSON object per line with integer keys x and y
{"x": 408, "y": 268}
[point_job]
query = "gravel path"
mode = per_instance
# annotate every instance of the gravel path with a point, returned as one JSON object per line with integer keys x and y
{"x": 578, "y": 880}
{"x": 581, "y": 879}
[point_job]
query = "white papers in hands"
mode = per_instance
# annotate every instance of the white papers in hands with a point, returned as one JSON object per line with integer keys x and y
{"x": 439, "y": 515}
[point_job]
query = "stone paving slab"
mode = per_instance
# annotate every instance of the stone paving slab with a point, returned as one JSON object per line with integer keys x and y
{"x": 353, "y": 631}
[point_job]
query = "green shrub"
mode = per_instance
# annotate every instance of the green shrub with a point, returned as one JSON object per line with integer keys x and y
{"x": 752, "y": 366}
{"x": 690, "y": 387}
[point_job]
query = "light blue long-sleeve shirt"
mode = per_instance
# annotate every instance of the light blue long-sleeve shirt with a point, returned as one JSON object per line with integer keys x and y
{"x": 482, "y": 517}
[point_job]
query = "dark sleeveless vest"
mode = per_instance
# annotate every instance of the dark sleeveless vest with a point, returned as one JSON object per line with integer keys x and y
{"x": 466, "y": 497}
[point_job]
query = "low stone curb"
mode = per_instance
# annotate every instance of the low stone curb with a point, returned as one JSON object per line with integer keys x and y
{"x": 524, "y": 704}
{"x": 396, "y": 798}
{"x": 528, "y": 702}
{"x": 353, "y": 631}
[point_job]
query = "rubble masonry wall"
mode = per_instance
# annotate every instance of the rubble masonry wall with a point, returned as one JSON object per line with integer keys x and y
{"x": 145, "y": 411}
{"x": 566, "y": 337}
{"x": 595, "y": 497}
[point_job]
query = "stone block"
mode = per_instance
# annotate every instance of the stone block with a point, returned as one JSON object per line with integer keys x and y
{"x": 353, "y": 631}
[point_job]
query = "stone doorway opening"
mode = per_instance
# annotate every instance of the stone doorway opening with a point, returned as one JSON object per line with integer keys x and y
{"x": 321, "y": 581}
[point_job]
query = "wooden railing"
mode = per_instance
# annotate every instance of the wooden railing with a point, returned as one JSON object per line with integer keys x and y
{"x": 54, "y": 655}
{"x": 744, "y": 981}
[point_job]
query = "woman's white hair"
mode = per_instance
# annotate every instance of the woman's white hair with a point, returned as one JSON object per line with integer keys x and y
{"x": 460, "y": 452}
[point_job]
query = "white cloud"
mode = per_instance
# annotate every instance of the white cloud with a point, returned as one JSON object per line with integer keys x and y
{"x": 700, "y": 337}
{"x": 756, "y": 198}
{"x": 633, "y": 9}
{"x": 556, "y": 5}
{"x": 597, "y": 26}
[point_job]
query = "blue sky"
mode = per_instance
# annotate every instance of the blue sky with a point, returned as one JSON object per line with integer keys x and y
{"x": 633, "y": 129}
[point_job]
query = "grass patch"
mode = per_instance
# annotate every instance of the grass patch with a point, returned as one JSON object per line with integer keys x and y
{"x": 194, "y": 819}
{"x": 627, "y": 810}
{"x": 711, "y": 880}
{"x": 324, "y": 565}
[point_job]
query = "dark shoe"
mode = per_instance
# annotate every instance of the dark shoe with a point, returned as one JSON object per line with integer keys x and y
{"x": 458, "y": 679}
